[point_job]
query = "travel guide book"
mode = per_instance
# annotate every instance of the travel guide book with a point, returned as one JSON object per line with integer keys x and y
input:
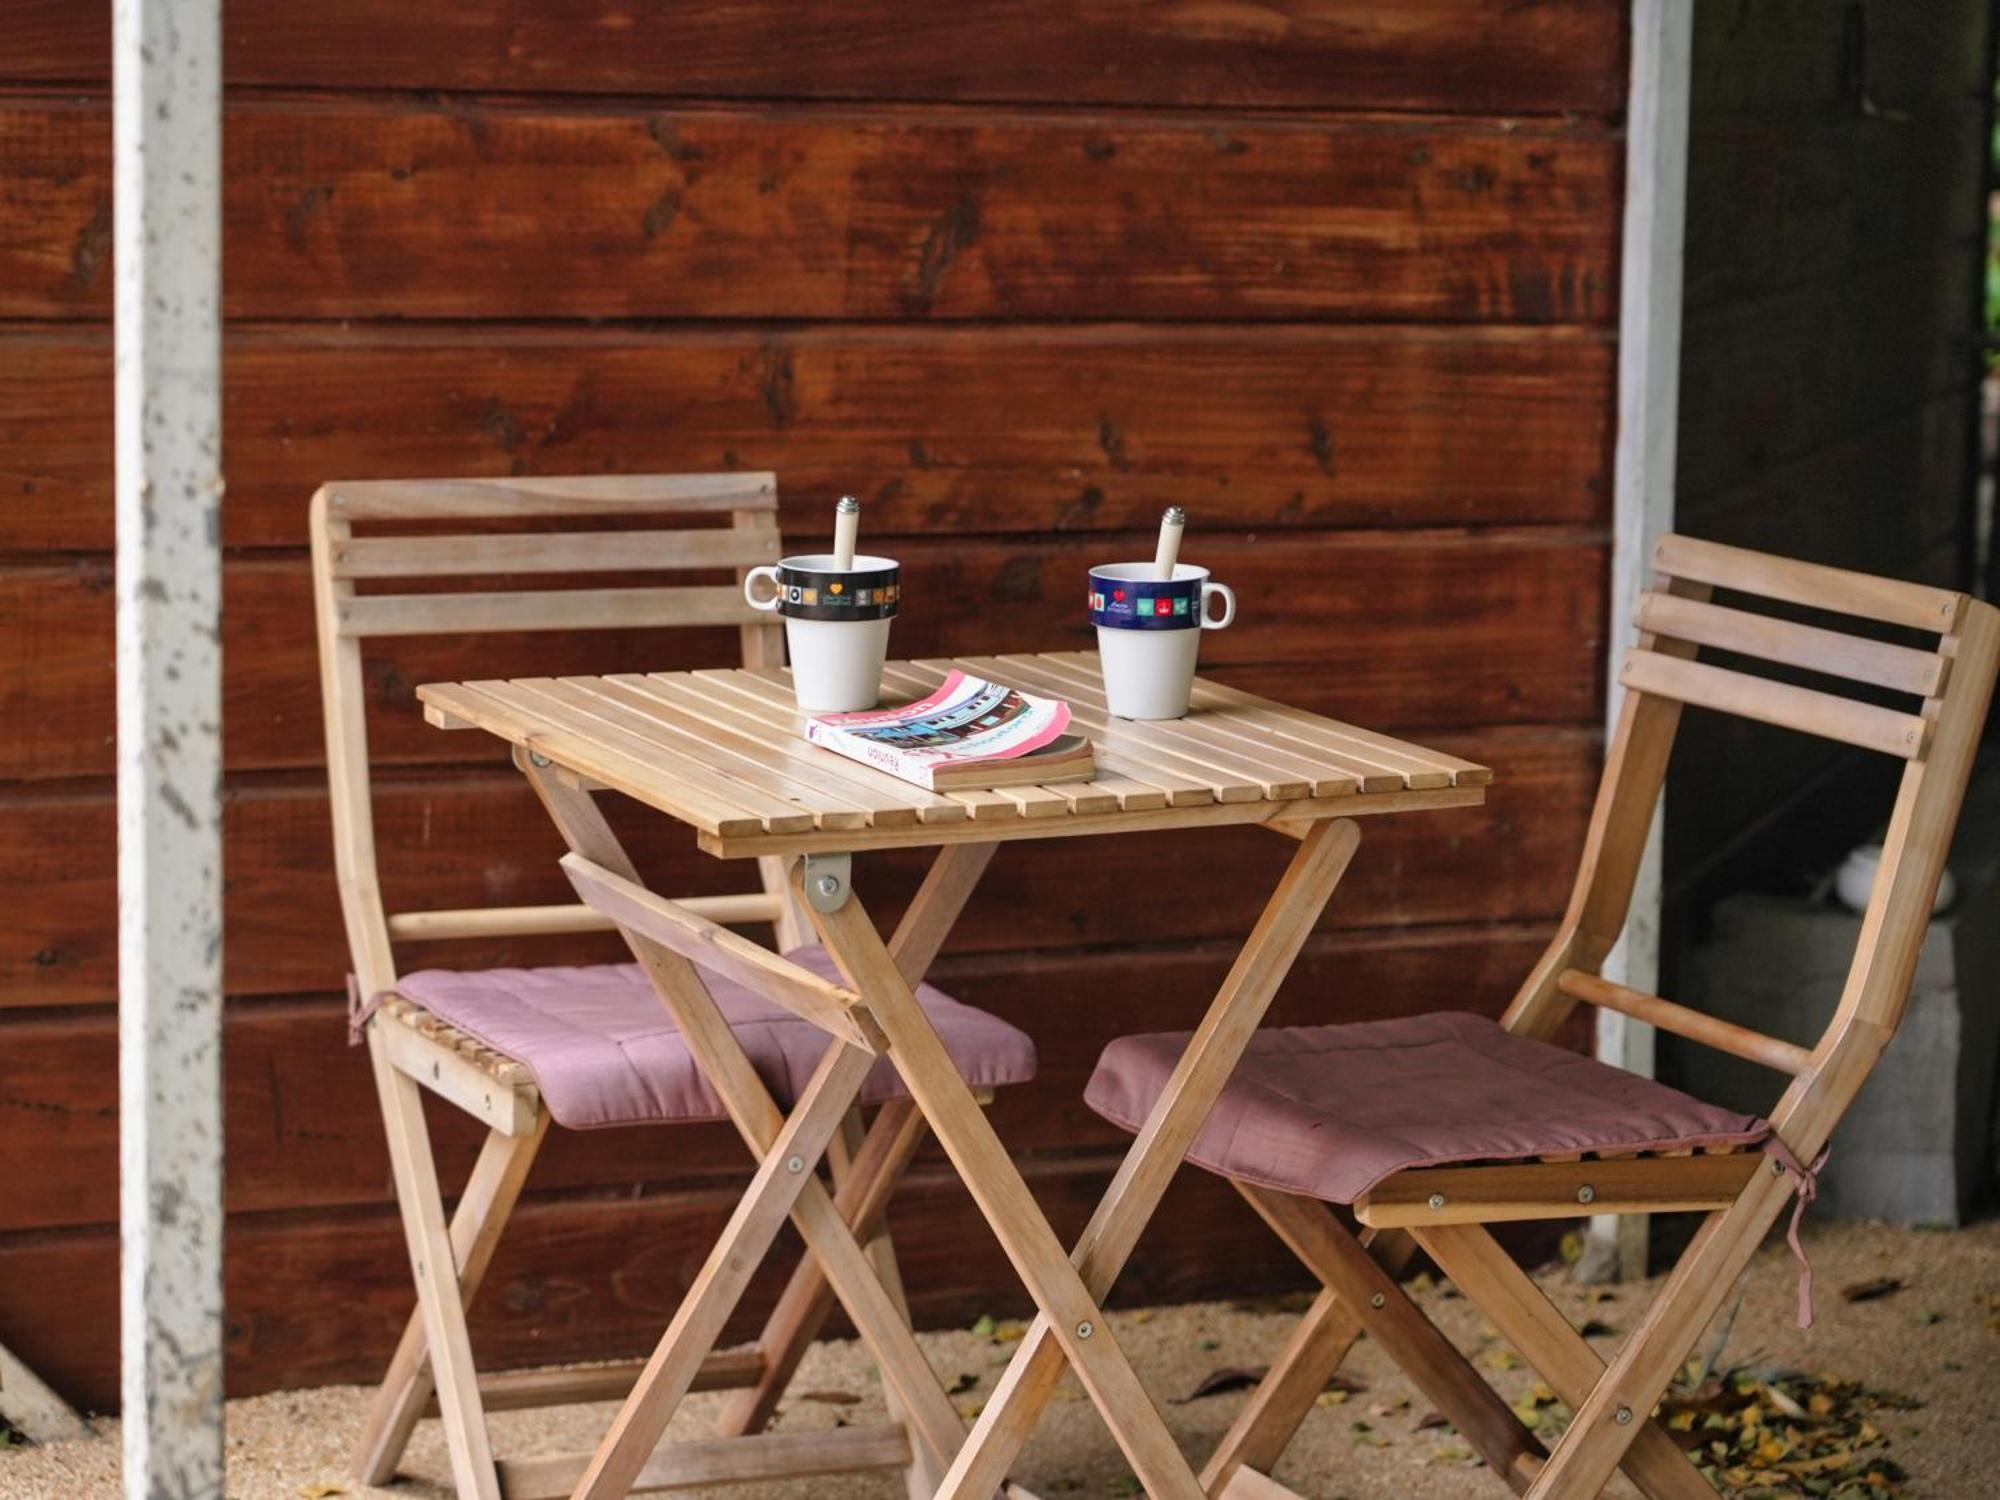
{"x": 967, "y": 734}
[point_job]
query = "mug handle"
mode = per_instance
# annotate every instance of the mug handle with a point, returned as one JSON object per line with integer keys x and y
{"x": 1228, "y": 605}
{"x": 766, "y": 570}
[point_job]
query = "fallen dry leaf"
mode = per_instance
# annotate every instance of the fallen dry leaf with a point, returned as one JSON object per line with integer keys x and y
{"x": 1432, "y": 1419}
{"x": 1868, "y": 1291}
{"x": 1216, "y": 1382}
{"x": 321, "y": 1489}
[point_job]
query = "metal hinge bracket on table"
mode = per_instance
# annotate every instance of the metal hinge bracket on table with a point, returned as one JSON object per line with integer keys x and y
{"x": 828, "y": 879}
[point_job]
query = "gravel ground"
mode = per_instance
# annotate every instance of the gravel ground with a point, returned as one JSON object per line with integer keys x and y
{"x": 1937, "y": 1339}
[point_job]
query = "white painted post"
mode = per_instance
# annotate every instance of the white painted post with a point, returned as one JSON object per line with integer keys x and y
{"x": 166, "y": 75}
{"x": 1649, "y": 374}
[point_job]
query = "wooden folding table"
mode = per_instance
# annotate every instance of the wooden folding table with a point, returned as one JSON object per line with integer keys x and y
{"x": 722, "y": 751}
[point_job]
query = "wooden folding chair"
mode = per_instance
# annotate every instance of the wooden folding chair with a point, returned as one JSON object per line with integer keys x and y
{"x": 380, "y": 553}
{"x": 1434, "y": 1127}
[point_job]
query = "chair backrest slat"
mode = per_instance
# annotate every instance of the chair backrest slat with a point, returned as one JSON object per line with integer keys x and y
{"x": 575, "y": 552}
{"x": 1937, "y": 737}
{"x": 1889, "y": 600}
{"x": 1806, "y": 709}
{"x": 579, "y": 495}
{"x": 543, "y": 609}
{"x": 341, "y": 560}
{"x": 1903, "y": 669}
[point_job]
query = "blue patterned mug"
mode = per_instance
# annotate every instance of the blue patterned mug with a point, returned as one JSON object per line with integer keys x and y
{"x": 1149, "y": 633}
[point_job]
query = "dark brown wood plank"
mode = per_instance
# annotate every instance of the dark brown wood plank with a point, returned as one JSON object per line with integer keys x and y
{"x": 1266, "y": 428}
{"x": 595, "y": 1275}
{"x": 1896, "y": 486}
{"x": 1771, "y": 379}
{"x": 1357, "y": 54}
{"x": 460, "y": 840}
{"x": 1417, "y": 628}
{"x": 1774, "y": 204}
{"x": 304, "y": 1132}
{"x": 586, "y": 1280}
{"x": 1817, "y": 62}
{"x": 340, "y": 209}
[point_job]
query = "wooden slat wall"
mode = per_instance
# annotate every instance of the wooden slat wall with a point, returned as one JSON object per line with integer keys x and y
{"x": 1337, "y": 275}
{"x": 1836, "y": 233}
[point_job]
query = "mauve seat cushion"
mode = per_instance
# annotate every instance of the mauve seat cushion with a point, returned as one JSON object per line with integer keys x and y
{"x": 605, "y": 1051}
{"x": 1329, "y": 1111}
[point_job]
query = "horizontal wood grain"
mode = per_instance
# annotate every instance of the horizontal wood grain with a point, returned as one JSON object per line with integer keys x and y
{"x": 1551, "y": 1190}
{"x": 343, "y": 209}
{"x": 1804, "y": 709}
{"x": 1417, "y": 628}
{"x": 1289, "y": 426}
{"x": 590, "y": 1279}
{"x": 1834, "y": 653}
{"x": 304, "y": 1132}
{"x": 1355, "y": 54}
{"x": 454, "y": 839}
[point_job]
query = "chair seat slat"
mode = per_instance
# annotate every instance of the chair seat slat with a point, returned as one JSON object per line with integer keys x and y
{"x": 1813, "y": 585}
{"x": 545, "y": 609}
{"x": 1900, "y": 668}
{"x": 546, "y": 552}
{"x": 1805, "y": 709}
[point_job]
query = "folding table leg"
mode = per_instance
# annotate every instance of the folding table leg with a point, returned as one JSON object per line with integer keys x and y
{"x": 1233, "y": 1016}
{"x": 921, "y": 1478}
{"x": 996, "y": 1185}
{"x": 1284, "y": 1398}
{"x": 483, "y": 1210}
{"x": 1535, "y": 1326}
{"x": 781, "y": 1177}
{"x": 436, "y": 1274}
{"x": 934, "y": 1422}
{"x": 807, "y": 1300}
{"x": 1388, "y": 1316}
{"x": 1597, "y": 1440}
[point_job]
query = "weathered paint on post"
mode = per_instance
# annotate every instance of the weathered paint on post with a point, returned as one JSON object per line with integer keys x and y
{"x": 167, "y": 60}
{"x": 1649, "y": 375}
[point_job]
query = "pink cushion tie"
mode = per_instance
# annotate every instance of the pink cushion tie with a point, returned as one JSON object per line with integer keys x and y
{"x": 1805, "y": 1182}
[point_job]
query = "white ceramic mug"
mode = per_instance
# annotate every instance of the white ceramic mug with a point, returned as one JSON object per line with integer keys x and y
{"x": 836, "y": 625}
{"x": 1149, "y": 634}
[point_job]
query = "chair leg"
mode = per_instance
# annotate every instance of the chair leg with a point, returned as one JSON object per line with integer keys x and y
{"x": 483, "y": 1210}
{"x": 1284, "y": 1398}
{"x": 1387, "y": 1315}
{"x": 1526, "y": 1318}
{"x": 436, "y": 1275}
{"x": 1597, "y": 1441}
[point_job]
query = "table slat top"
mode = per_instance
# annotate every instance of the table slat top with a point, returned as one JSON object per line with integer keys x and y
{"x": 725, "y": 751}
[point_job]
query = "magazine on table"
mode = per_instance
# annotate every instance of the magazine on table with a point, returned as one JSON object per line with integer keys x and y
{"x": 965, "y": 734}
